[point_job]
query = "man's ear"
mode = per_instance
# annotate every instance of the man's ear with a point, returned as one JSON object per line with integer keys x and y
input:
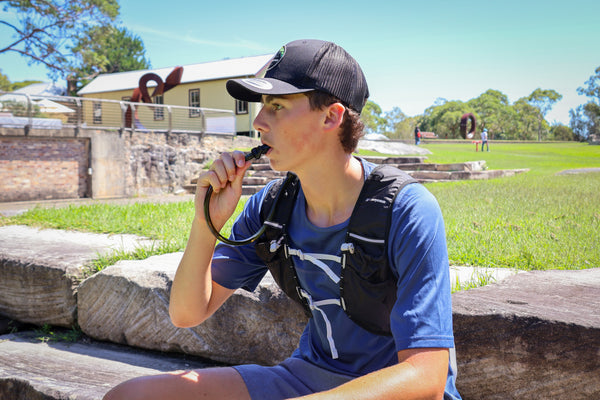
{"x": 334, "y": 116}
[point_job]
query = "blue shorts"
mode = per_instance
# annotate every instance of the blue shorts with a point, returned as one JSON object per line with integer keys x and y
{"x": 294, "y": 377}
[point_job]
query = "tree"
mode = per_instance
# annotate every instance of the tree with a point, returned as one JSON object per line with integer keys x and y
{"x": 7, "y": 86}
{"x": 585, "y": 120}
{"x": 492, "y": 108}
{"x": 106, "y": 49}
{"x": 543, "y": 100}
{"x": 592, "y": 89}
{"x": 18, "y": 85}
{"x": 578, "y": 123}
{"x": 444, "y": 118}
{"x": 525, "y": 120}
{"x": 44, "y": 30}
{"x": 561, "y": 132}
{"x": 592, "y": 112}
{"x": 372, "y": 118}
{"x": 399, "y": 126}
{"x": 4, "y": 82}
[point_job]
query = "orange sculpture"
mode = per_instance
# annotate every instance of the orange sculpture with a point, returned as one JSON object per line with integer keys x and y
{"x": 141, "y": 92}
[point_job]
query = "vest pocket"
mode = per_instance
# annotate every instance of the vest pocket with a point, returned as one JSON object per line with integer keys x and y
{"x": 367, "y": 287}
{"x": 368, "y": 261}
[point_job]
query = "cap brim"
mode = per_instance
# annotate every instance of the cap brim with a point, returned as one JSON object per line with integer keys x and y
{"x": 251, "y": 89}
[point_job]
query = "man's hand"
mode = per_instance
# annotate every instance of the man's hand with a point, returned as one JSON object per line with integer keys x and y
{"x": 225, "y": 177}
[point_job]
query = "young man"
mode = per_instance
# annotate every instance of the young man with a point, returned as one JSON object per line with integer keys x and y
{"x": 312, "y": 95}
{"x": 484, "y": 139}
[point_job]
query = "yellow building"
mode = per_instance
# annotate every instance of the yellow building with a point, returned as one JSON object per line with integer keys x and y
{"x": 202, "y": 85}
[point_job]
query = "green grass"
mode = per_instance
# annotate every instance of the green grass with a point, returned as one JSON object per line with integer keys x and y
{"x": 534, "y": 221}
{"x": 167, "y": 223}
{"x": 540, "y": 158}
{"x": 48, "y": 333}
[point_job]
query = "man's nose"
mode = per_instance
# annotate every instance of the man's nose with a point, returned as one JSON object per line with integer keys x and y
{"x": 259, "y": 123}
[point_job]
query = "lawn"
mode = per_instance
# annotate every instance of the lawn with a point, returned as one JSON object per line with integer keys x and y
{"x": 536, "y": 220}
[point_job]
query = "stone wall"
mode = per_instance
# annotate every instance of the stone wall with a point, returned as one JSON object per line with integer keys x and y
{"x": 164, "y": 163}
{"x": 101, "y": 163}
{"x": 43, "y": 167}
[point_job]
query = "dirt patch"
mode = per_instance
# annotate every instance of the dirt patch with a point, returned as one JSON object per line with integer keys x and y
{"x": 578, "y": 171}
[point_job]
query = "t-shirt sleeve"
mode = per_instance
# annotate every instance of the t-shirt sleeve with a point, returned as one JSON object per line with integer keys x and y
{"x": 239, "y": 266}
{"x": 422, "y": 314}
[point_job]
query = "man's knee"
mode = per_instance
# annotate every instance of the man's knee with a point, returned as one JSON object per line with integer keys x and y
{"x": 124, "y": 390}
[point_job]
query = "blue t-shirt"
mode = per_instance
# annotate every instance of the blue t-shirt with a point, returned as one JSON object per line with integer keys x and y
{"x": 422, "y": 315}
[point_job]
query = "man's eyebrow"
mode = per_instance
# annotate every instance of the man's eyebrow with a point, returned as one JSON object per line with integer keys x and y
{"x": 268, "y": 98}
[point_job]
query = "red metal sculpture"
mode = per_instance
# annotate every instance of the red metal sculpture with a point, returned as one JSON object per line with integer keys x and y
{"x": 463, "y": 126}
{"x": 141, "y": 92}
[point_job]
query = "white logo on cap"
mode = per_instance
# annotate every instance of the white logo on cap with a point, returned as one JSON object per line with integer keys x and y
{"x": 258, "y": 83}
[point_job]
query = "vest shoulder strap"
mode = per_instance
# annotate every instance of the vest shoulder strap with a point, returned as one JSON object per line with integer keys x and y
{"x": 372, "y": 211}
{"x": 283, "y": 205}
{"x": 378, "y": 194}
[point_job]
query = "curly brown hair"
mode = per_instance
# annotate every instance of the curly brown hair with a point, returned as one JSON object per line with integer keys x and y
{"x": 352, "y": 126}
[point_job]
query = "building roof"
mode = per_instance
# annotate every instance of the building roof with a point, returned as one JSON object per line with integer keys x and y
{"x": 36, "y": 91}
{"x": 42, "y": 89}
{"x": 224, "y": 69}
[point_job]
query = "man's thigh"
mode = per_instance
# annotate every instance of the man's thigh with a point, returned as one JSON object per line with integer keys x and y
{"x": 210, "y": 383}
{"x": 291, "y": 378}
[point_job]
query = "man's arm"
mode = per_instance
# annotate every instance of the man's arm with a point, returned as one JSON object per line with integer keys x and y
{"x": 420, "y": 374}
{"x": 194, "y": 295}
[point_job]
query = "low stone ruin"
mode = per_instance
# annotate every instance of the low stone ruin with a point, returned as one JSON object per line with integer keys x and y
{"x": 532, "y": 335}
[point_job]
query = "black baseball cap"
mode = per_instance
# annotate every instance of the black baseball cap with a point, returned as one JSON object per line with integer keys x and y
{"x": 303, "y": 66}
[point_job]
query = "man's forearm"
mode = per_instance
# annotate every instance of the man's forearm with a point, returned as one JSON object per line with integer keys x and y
{"x": 421, "y": 376}
{"x": 192, "y": 286}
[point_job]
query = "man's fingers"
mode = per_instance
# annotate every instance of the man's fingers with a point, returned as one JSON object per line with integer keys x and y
{"x": 228, "y": 168}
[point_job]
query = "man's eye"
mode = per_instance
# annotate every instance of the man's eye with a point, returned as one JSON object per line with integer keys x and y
{"x": 276, "y": 107}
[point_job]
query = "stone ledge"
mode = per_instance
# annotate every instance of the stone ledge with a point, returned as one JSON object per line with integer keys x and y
{"x": 534, "y": 335}
{"x": 127, "y": 303}
{"x": 40, "y": 270}
{"x": 32, "y": 370}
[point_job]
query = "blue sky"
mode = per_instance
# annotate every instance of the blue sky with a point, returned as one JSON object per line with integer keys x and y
{"x": 412, "y": 52}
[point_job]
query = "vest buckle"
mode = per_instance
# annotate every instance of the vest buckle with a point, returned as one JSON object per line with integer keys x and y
{"x": 348, "y": 247}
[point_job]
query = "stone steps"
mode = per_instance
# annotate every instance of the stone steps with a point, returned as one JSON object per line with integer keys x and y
{"x": 531, "y": 335}
{"x": 85, "y": 370}
{"x": 260, "y": 173}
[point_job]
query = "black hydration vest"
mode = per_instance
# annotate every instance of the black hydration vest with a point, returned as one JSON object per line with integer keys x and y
{"x": 367, "y": 283}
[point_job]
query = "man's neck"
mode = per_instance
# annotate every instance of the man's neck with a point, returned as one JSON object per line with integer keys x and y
{"x": 331, "y": 191}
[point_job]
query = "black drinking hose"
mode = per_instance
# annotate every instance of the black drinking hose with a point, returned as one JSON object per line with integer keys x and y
{"x": 255, "y": 153}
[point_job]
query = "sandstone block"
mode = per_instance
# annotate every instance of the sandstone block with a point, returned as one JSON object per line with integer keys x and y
{"x": 33, "y": 370}
{"x": 534, "y": 335}
{"x": 39, "y": 271}
{"x": 128, "y": 303}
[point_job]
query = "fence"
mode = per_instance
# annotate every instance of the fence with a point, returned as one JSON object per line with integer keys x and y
{"x": 20, "y": 110}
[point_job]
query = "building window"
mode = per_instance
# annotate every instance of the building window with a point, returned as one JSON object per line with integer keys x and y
{"x": 241, "y": 107}
{"x": 159, "y": 112}
{"x": 194, "y": 101}
{"x": 97, "y": 113}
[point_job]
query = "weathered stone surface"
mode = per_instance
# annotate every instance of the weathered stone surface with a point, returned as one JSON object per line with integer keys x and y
{"x": 128, "y": 303}
{"x": 165, "y": 163}
{"x": 32, "y": 370}
{"x": 39, "y": 270}
{"x": 392, "y": 147}
{"x": 534, "y": 335}
{"x": 461, "y": 277}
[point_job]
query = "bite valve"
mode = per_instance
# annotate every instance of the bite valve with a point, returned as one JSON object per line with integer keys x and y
{"x": 257, "y": 152}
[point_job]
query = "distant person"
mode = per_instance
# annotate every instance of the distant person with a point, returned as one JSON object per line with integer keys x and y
{"x": 484, "y": 139}
{"x": 417, "y": 136}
